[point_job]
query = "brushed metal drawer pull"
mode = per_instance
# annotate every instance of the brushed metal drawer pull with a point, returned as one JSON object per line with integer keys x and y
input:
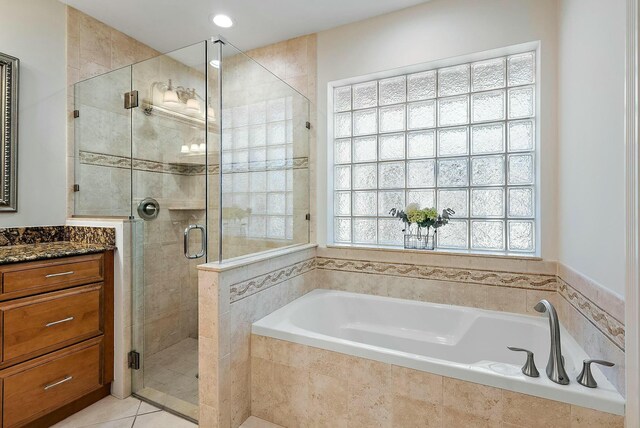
{"x": 58, "y": 322}
{"x": 51, "y": 275}
{"x": 51, "y": 385}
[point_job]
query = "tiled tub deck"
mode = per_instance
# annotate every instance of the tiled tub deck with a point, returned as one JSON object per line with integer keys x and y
{"x": 296, "y": 385}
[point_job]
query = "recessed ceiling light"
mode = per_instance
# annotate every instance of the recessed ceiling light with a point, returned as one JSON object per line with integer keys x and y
{"x": 215, "y": 63}
{"x": 222, "y": 21}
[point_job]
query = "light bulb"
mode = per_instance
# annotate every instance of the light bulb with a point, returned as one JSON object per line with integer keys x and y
{"x": 170, "y": 95}
{"x": 222, "y": 21}
{"x": 194, "y": 148}
{"x": 193, "y": 105}
{"x": 184, "y": 149}
{"x": 203, "y": 147}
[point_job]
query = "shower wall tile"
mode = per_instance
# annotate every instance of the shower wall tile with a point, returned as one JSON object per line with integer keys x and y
{"x": 228, "y": 315}
{"x": 94, "y": 48}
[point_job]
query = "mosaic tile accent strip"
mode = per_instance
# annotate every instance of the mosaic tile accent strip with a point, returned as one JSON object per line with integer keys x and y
{"x": 254, "y": 285}
{"x": 112, "y": 161}
{"x": 295, "y": 163}
{"x": 502, "y": 279}
{"x": 606, "y": 323}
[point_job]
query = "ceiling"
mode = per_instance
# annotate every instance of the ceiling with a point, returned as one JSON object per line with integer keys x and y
{"x": 166, "y": 25}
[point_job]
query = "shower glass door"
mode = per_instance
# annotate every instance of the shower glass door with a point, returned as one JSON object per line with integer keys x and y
{"x": 169, "y": 166}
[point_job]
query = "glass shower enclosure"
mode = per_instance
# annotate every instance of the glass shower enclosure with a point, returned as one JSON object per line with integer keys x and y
{"x": 205, "y": 152}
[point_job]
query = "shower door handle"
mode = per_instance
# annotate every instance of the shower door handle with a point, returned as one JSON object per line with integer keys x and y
{"x": 203, "y": 247}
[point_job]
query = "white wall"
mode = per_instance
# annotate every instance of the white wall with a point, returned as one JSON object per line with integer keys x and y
{"x": 591, "y": 73}
{"x": 442, "y": 29}
{"x": 34, "y": 32}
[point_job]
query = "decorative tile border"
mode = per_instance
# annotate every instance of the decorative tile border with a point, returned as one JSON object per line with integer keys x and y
{"x": 503, "y": 279}
{"x": 124, "y": 162}
{"x": 272, "y": 165}
{"x": 607, "y": 324}
{"x": 113, "y": 161}
{"x": 251, "y": 286}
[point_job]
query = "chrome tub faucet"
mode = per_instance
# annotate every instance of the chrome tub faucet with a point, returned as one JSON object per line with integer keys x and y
{"x": 555, "y": 366}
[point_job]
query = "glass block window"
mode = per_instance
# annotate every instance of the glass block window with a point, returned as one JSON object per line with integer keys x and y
{"x": 460, "y": 137}
{"x": 257, "y": 169}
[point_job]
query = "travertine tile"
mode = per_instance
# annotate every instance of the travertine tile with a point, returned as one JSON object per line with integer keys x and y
{"x": 413, "y": 413}
{"x": 279, "y": 351}
{"x": 328, "y": 363}
{"x": 417, "y": 385}
{"x": 327, "y": 401}
{"x": 457, "y": 418}
{"x": 124, "y": 49}
{"x": 507, "y": 299}
{"x": 296, "y": 57}
{"x": 95, "y": 42}
{"x": 279, "y": 393}
{"x": 582, "y": 417}
{"x": 529, "y": 411}
{"x": 482, "y": 401}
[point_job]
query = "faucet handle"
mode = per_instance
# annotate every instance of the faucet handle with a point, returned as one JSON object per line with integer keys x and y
{"x": 585, "y": 378}
{"x": 529, "y": 368}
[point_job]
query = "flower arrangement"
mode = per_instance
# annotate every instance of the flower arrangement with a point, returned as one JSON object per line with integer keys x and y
{"x": 423, "y": 218}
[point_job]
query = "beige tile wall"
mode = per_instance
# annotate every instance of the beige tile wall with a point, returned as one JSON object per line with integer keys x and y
{"x": 593, "y": 316}
{"x": 497, "y": 283}
{"x": 168, "y": 282}
{"x": 94, "y": 48}
{"x": 295, "y": 385}
{"x": 225, "y": 327}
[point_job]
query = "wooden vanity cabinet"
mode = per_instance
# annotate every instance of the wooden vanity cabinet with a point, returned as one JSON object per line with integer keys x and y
{"x": 56, "y": 337}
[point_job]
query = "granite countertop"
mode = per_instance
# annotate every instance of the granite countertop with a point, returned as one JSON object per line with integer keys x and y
{"x": 23, "y": 244}
{"x": 48, "y": 250}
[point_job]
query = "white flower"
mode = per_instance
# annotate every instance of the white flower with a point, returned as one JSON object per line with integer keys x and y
{"x": 410, "y": 207}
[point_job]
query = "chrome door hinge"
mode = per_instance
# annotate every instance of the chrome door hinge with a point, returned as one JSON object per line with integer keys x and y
{"x": 76, "y": 187}
{"x": 307, "y": 217}
{"x": 76, "y": 114}
{"x": 131, "y": 99}
{"x": 308, "y": 125}
{"x": 134, "y": 360}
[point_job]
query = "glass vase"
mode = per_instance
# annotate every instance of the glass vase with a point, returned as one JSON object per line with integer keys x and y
{"x": 410, "y": 241}
{"x": 429, "y": 239}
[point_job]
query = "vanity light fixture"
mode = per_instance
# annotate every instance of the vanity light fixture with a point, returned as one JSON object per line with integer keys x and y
{"x": 222, "y": 21}
{"x": 192, "y": 103}
{"x": 170, "y": 95}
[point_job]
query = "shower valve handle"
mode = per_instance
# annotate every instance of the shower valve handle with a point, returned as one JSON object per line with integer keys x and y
{"x": 529, "y": 368}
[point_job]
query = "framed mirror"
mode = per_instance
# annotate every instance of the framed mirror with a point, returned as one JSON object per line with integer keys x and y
{"x": 9, "y": 132}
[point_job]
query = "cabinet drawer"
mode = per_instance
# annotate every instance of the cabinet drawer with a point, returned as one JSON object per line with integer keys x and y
{"x": 40, "y": 323}
{"x": 29, "y": 278}
{"x": 35, "y": 391}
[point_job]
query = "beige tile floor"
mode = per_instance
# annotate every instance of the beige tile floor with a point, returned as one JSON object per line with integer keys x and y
{"x": 254, "y": 422}
{"x": 111, "y": 412}
{"x": 173, "y": 371}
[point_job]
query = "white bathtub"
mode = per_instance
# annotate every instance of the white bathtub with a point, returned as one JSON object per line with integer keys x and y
{"x": 464, "y": 343}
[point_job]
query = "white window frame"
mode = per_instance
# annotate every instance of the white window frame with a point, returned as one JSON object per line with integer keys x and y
{"x": 478, "y": 56}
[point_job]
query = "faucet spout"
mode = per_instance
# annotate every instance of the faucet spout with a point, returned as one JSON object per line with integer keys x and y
{"x": 555, "y": 366}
